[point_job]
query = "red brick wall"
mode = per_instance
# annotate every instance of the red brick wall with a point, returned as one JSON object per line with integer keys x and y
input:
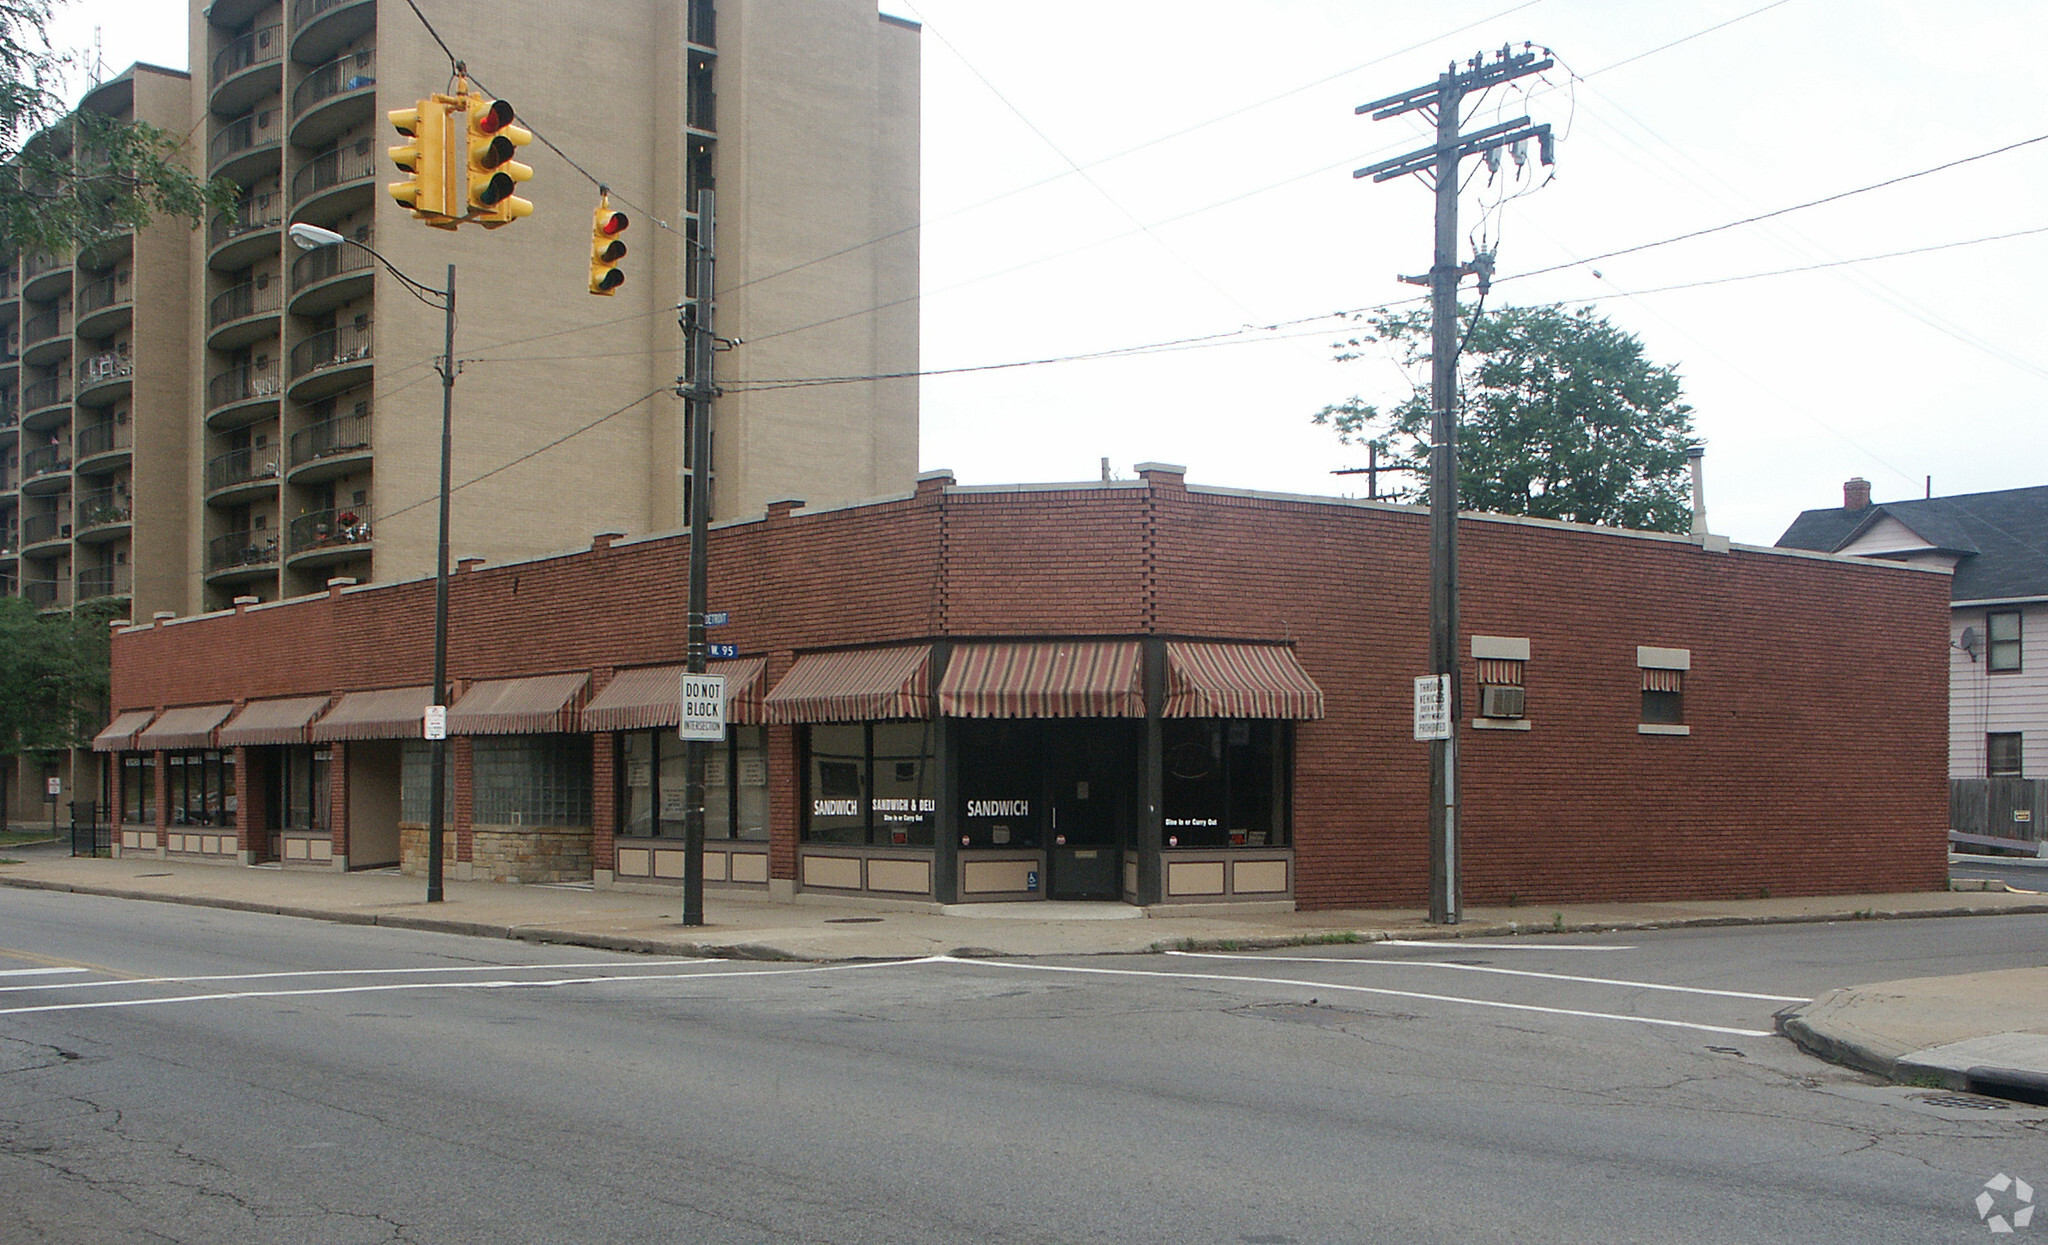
{"x": 1817, "y": 697}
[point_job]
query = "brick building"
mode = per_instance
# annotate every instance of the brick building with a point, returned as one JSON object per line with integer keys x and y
{"x": 1138, "y": 691}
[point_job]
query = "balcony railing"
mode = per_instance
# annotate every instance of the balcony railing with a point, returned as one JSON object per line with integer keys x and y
{"x": 329, "y": 261}
{"x": 333, "y": 169}
{"x": 257, "y": 213}
{"x": 104, "y": 367}
{"x": 102, "y": 438}
{"x": 306, "y": 10}
{"x": 258, "y": 129}
{"x": 33, "y": 266}
{"x": 243, "y": 384}
{"x": 335, "y": 347}
{"x": 239, "y": 549}
{"x": 47, "y": 594}
{"x": 255, "y": 48}
{"x": 102, "y": 507}
{"x": 343, "y": 434}
{"x": 10, "y": 411}
{"x": 52, "y": 323}
{"x": 248, "y": 299}
{"x": 38, "y": 394}
{"x": 103, "y": 293}
{"x": 38, "y": 528}
{"x": 352, "y": 72}
{"x": 45, "y": 460}
{"x": 325, "y": 529}
{"x": 241, "y": 466}
{"x": 105, "y": 581}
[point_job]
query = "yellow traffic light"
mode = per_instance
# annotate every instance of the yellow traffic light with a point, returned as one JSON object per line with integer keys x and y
{"x": 425, "y": 159}
{"x": 606, "y": 249}
{"x": 493, "y": 173}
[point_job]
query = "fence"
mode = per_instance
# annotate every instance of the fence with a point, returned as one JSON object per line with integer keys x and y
{"x": 1997, "y": 808}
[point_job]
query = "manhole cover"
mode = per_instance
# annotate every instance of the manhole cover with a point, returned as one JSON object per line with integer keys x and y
{"x": 1962, "y": 1102}
{"x": 852, "y": 920}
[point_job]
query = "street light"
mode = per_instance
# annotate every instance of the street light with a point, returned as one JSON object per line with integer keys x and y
{"x": 313, "y": 237}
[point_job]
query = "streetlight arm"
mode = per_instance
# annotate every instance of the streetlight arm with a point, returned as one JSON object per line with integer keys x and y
{"x": 312, "y": 237}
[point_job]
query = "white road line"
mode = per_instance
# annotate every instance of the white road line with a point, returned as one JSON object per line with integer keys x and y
{"x": 1399, "y": 994}
{"x": 1484, "y": 968}
{"x": 1447, "y": 944}
{"x": 334, "y": 972}
{"x": 510, "y": 984}
{"x": 34, "y": 972}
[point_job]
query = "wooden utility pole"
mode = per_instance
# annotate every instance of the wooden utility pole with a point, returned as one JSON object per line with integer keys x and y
{"x": 1439, "y": 164}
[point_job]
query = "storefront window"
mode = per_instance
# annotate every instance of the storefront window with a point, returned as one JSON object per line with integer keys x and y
{"x": 202, "y": 788}
{"x": 301, "y": 794}
{"x": 415, "y": 782}
{"x": 138, "y": 789}
{"x": 530, "y": 780}
{"x": 871, "y": 784}
{"x": 653, "y": 787}
{"x": 1000, "y": 783}
{"x": 1225, "y": 783}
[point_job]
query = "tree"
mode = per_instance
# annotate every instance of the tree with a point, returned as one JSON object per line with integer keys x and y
{"x": 1559, "y": 417}
{"x": 53, "y": 680}
{"x": 72, "y": 181}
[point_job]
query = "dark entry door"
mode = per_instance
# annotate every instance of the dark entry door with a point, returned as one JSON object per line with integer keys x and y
{"x": 1089, "y": 781}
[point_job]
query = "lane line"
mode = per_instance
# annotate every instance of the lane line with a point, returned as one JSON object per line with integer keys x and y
{"x": 1485, "y": 968}
{"x": 34, "y": 972}
{"x": 445, "y": 985}
{"x": 1446, "y": 944}
{"x": 340, "y": 972}
{"x": 1399, "y": 994}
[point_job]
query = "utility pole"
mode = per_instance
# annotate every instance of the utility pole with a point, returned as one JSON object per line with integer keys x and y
{"x": 1438, "y": 164}
{"x": 697, "y": 390}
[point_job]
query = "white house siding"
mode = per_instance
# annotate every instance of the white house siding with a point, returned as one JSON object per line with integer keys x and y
{"x": 1982, "y": 703}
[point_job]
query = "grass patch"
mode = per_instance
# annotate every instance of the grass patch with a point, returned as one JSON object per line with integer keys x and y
{"x": 19, "y": 838}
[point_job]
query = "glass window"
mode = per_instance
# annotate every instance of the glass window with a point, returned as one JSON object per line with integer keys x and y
{"x": 836, "y": 809}
{"x": 530, "y": 780}
{"x": 905, "y": 802}
{"x": 2004, "y": 757}
{"x": 1001, "y": 782}
{"x": 1663, "y": 697}
{"x": 1224, "y": 783}
{"x": 871, "y": 783}
{"x": 138, "y": 788}
{"x": 2003, "y": 631}
{"x": 654, "y": 784}
{"x": 416, "y": 778}
{"x": 302, "y": 797}
{"x": 202, "y": 788}
{"x": 636, "y": 783}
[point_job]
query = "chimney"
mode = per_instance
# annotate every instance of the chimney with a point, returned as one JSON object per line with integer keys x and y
{"x": 1696, "y": 455}
{"x": 1855, "y": 493}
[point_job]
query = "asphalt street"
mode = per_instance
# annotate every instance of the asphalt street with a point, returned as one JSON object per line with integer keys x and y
{"x": 177, "y": 1074}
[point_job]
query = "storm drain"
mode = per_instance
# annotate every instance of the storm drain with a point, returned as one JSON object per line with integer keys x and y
{"x": 1962, "y": 1102}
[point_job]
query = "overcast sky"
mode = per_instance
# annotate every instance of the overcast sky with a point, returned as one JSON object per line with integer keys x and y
{"x": 1215, "y": 141}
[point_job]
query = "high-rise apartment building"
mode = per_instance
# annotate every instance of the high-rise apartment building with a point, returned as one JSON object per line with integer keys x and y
{"x": 190, "y": 416}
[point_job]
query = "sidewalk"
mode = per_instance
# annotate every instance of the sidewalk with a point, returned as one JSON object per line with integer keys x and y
{"x": 1932, "y": 1029}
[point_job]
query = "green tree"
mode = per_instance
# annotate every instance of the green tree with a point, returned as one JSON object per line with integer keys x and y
{"x": 72, "y": 181}
{"x": 1559, "y": 417}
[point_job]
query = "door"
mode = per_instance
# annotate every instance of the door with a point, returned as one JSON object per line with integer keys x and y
{"x": 1090, "y": 779}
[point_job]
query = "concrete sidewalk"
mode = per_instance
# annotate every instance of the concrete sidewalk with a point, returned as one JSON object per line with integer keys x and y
{"x": 1930, "y": 1029}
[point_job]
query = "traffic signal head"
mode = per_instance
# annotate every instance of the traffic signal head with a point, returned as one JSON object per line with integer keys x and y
{"x": 606, "y": 248}
{"x": 423, "y": 157}
{"x": 493, "y": 173}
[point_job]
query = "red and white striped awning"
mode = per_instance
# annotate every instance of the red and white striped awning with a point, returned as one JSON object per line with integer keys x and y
{"x": 1045, "y": 679}
{"x": 863, "y": 685}
{"x": 537, "y": 705}
{"x": 272, "y": 722}
{"x": 1238, "y": 681}
{"x": 189, "y": 727}
{"x": 651, "y": 696}
{"x": 388, "y": 713}
{"x": 120, "y": 733}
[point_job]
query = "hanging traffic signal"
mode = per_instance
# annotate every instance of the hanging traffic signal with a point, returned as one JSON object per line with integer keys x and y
{"x": 493, "y": 173}
{"x": 606, "y": 249}
{"x": 424, "y": 158}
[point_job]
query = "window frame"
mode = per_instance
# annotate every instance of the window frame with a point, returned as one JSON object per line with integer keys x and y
{"x": 2012, "y": 645}
{"x": 1994, "y": 743}
{"x": 877, "y": 831}
{"x": 664, "y": 744}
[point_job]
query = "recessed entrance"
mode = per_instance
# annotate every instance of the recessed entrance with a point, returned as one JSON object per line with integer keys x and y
{"x": 1090, "y": 779}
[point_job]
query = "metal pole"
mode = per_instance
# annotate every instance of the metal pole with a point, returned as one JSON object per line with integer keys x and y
{"x": 696, "y": 751}
{"x": 438, "y": 788}
{"x": 1444, "y": 905}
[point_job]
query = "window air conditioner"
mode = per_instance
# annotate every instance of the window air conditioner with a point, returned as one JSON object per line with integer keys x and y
{"x": 1501, "y": 701}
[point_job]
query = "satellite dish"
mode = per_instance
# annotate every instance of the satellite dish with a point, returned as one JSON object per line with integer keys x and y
{"x": 1968, "y": 642}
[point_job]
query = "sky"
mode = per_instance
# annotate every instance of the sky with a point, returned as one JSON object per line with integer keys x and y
{"x": 1104, "y": 175}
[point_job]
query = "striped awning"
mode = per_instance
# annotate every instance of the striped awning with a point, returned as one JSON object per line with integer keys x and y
{"x": 272, "y": 722}
{"x": 859, "y": 686}
{"x": 1238, "y": 681}
{"x": 189, "y": 727}
{"x": 388, "y": 713}
{"x": 651, "y": 696}
{"x": 538, "y": 705}
{"x": 119, "y": 735}
{"x": 1045, "y": 679}
{"x": 1663, "y": 680}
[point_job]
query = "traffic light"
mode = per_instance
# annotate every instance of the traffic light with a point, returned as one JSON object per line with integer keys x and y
{"x": 424, "y": 157}
{"x": 606, "y": 250}
{"x": 493, "y": 173}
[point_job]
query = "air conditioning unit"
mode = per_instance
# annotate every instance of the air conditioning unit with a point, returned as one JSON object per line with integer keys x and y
{"x": 1501, "y": 701}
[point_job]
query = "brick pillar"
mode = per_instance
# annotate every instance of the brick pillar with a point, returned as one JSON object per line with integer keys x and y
{"x": 252, "y": 812}
{"x": 462, "y": 786}
{"x": 337, "y": 798}
{"x": 604, "y": 800}
{"x": 163, "y": 802}
{"x": 782, "y": 803}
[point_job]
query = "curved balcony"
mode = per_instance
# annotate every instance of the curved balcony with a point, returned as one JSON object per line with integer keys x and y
{"x": 335, "y": 97}
{"x": 102, "y": 515}
{"x": 45, "y": 403}
{"x": 104, "y": 379}
{"x": 328, "y": 536}
{"x": 46, "y": 337}
{"x": 333, "y": 447}
{"x": 329, "y": 362}
{"x": 235, "y": 241}
{"x": 45, "y": 276}
{"x": 47, "y": 595}
{"x": 107, "y": 252}
{"x": 46, "y": 469}
{"x": 95, "y": 582}
{"x": 244, "y": 314}
{"x": 41, "y": 533}
{"x": 10, "y": 419}
{"x": 103, "y": 447}
{"x": 105, "y": 305}
{"x": 243, "y": 395}
{"x": 336, "y": 183}
{"x": 248, "y": 148}
{"x": 239, "y": 475}
{"x": 322, "y": 28}
{"x": 241, "y": 555}
{"x": 330, "y": 277}
{"x": 246, "y": 69}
